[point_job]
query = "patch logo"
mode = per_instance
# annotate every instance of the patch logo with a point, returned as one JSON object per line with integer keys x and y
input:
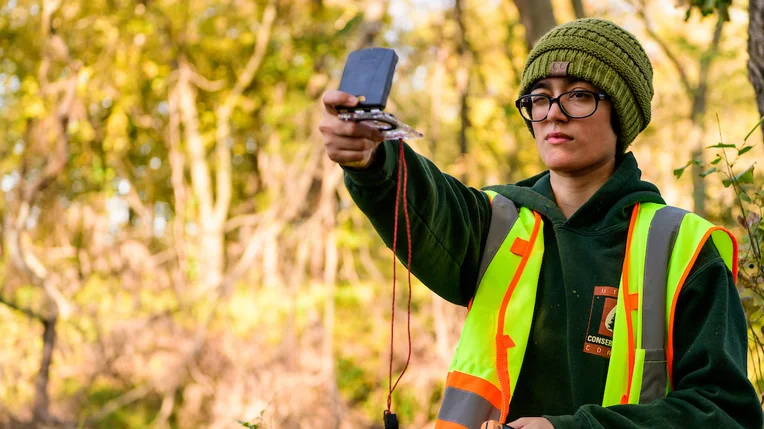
{"x": 559, "y": 69}
{"x": 599, "y": 336}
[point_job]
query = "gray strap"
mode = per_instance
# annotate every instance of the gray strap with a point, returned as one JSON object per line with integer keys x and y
{"x": 664, "y": 228}
{"x": 503, "y": 217}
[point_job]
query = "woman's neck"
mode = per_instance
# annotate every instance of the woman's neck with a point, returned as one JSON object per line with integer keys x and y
{"x": 572, "y": 190}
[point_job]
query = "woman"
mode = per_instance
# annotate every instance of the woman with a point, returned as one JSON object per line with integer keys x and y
{"x": 556, "y": 335}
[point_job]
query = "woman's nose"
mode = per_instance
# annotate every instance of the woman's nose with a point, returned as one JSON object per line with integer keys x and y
{"x": 555, "y": 113}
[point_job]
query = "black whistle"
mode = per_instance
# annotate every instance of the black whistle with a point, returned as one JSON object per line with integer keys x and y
{"x": 391, "y": 420}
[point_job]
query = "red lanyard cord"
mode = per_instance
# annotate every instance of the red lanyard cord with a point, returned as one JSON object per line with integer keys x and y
{"x": 400, "y": 184}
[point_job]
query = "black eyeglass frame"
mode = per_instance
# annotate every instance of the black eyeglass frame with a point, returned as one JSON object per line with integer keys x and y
{"x": 598, "y": 96}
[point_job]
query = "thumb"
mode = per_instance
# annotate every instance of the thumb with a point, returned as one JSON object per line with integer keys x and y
{"x": 333, "y": 99}
{"x": 520, "y": 423}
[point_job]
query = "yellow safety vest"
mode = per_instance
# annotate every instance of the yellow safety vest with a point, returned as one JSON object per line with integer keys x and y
{"x": 662, "y": 245}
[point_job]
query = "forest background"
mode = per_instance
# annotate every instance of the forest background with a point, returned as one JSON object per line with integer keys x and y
{"x": 178, "y": 252}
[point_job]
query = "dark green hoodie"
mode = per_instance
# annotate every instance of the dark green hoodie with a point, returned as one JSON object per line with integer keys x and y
{"x": 559, "y": 379}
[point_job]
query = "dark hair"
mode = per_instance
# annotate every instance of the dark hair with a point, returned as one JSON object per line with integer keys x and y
{"x": 620, "y": 148}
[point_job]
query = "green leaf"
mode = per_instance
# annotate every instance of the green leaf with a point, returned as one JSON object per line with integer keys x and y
{"x": 745, "y": 197}
{"x": 761, "y": 121}
{"x": 746, "y": 176}
{"x": 727, "y": 183}
{"x": 678, "y": 172}
{"x": 744, "y": 150}
{"x": 716, "y": 161}
{"x": 721, "y": 146}
{"x": 350, "y": 25}
{"x": 709, "y": 171}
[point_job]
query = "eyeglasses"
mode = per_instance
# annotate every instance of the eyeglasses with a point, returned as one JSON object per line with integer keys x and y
{"x": 574, "y": 104}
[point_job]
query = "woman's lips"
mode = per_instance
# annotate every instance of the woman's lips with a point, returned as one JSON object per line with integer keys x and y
{"x": 558, "y": 138}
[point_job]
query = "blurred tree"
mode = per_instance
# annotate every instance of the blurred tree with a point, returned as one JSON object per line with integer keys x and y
{"x": 46, "y": 136}
{"x": 756, "y": 51}
{"x": 463, "y": 76}
{"x": 174, "y": 240}
{"x": 537, "y": 17}
{"x": 696, "y": 92}
{"x": 578, "y": 9}
{"x": 755, "y": 38}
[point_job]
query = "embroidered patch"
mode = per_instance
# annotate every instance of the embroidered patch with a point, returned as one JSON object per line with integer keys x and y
{"x": 559, "y": 68}
{"x": 599, "y": 335}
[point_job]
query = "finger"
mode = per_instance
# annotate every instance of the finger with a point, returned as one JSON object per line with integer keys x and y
{"x": 491, "y": 424}
{"x": 332, "y": 126}
{"x": 350, "y": 144}
{"x": 333, "y": 98}
{"x": 360, "y": 129}
{"x": 520, "y": 423}
{"x": 351, "y": 158}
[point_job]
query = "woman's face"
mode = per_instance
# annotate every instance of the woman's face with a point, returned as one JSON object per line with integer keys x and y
{"x": 573, "y": 146}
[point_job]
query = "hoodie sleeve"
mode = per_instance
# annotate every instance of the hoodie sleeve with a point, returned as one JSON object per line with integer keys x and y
{"x": 448, "y": 219}
{"x": 712, "y": 389}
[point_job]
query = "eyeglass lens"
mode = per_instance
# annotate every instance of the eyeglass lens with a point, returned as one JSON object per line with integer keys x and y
{"x": 574, "y": 104}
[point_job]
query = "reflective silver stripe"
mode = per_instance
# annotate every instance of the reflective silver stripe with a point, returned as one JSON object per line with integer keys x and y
{"x": 664, "y": 228}
{"x": 503, "y": 217}
{"x": 466, "y": 408}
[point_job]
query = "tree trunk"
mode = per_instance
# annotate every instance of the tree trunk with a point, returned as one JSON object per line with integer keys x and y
{"x": 537, "y": 17}
{"x": 211, "y": 241}
{"x": 463, "y": 85}
{"x": 436, "y": 97}
{"x": 756, "y": 52}
{"x": 697, "y": 93}
{"x": 440, "y": 314}
{"x": 41, "y": 398}
{"x": 698, "y": 116}
{"x": 578, "y": 8}
{"x": 214, "y": 204}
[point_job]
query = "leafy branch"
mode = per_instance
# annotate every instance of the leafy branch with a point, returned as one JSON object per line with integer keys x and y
{"x": 749, "y": 201}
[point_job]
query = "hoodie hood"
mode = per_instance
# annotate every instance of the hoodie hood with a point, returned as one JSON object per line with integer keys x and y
{"x": 608, "y": 206}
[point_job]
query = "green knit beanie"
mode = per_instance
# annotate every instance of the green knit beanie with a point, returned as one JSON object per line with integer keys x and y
{"x": 605, "y": 55}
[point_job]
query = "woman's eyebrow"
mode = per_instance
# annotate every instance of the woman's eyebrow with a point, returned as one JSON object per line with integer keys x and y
{"x": 544, "y": 84}
{"x": 540, "y": 85}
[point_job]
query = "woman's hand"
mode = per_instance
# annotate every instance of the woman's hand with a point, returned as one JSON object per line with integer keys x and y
{"x": 348, "y": 143}
{"x": 531, "y": 423}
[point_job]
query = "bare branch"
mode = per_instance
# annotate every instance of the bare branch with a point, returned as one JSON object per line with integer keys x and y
{"x": 640, "y": 8}
{"x": 223, "y": 131}
{"x": 168, "y": 404}
{"x": 242, "y": 220}
{"x": 56, "y": 163}
{"x": 133, "y": 198}
{"x": 117, "y": 403}
{"x": 205, "y": 84}
{"x": 263, "y": 36}
{"x": 26, "y": 311}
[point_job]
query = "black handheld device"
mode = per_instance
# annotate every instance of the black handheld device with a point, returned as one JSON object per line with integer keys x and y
{"x": 368, "y": 75}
